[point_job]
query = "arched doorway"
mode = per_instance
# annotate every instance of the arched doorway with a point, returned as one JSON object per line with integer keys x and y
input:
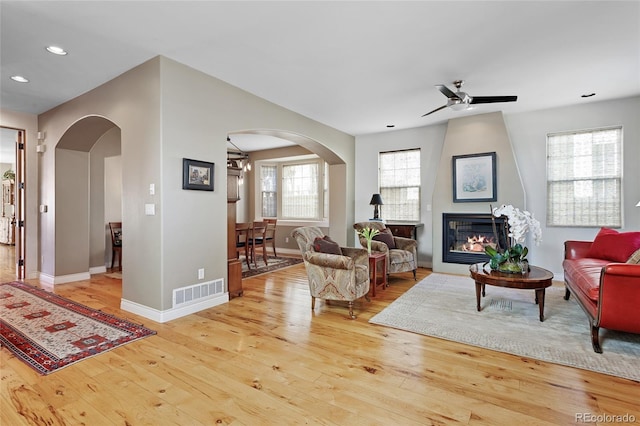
{"x": 337, "y": 171}
{"x": 88, "y": 196}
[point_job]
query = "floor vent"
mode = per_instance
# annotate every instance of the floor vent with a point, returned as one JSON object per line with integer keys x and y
{"x": 197, "y": 292}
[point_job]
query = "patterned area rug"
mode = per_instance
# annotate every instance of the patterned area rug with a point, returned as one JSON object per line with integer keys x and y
{"x": 273, "y": 263}
{"x": 444, "y": 306}
{"x": 49, "y": 332}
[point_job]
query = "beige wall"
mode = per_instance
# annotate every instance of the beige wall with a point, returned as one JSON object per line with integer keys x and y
{"x": 132, "y": 102}
{"x": 72, "y": 223}
{"x": 167, "y": 112}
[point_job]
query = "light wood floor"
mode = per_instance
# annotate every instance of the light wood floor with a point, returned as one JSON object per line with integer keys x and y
{"x": 265, "y": 358}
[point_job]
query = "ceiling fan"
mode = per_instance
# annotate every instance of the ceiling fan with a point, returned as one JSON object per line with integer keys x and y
{"x": 459, "y": 100}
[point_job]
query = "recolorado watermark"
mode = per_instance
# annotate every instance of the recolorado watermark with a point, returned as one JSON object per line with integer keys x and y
{"x": 605, "y": 418}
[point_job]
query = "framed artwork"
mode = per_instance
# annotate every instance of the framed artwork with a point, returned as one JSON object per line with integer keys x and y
{"x": 474, "y": 178}
{"x": 197, "y": 175}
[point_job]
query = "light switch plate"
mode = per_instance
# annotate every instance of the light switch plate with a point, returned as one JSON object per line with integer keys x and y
{"x": 150, "y": 209}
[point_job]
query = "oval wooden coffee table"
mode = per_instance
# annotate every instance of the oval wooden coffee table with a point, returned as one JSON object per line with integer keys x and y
{"x": 536, "y": 279}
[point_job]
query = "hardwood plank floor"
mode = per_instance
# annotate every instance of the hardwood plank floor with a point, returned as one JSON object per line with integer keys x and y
{"x": 266, "y": 358}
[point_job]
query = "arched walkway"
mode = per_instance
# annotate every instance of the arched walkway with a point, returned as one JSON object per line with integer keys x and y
{"x": 81, "y": 195}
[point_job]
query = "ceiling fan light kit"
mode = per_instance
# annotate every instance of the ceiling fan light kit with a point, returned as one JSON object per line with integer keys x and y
{"x": 460, "y": 101}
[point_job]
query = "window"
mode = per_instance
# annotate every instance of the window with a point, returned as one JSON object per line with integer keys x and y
{"x": 584, "y": 178}
{"x": 399, "y": 174}
{"x": 300, "y": 191}
{"x": 294, "y": 190}
{"x": 268, "y": 190}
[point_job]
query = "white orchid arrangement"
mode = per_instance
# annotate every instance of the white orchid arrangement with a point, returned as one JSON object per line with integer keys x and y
{"x": 519, "y": 223}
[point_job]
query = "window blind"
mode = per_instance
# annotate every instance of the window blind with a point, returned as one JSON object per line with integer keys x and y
{"x": 584, "y": 178}
{"x": 399, "y": 175}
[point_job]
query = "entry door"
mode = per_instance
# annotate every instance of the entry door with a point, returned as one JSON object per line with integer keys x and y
{"x": 19, "y": 204}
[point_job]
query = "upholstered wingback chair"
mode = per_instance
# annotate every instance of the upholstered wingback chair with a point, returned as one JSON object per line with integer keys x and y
{"x": 333, "y": 276}
{"x": 403, "y": 258}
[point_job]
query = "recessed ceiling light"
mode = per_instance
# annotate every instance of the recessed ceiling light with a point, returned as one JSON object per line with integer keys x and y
{"x": 56, "y": 50}
{"x": 19, "y": 79}
{"x": 587, "y": 95}
{"x": 391, "y": 126}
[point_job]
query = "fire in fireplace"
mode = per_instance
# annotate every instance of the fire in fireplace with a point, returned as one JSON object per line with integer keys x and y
{"x": 465, "y": 236}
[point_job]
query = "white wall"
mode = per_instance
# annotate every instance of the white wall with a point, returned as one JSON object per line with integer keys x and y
{"x": 527, "y": 132}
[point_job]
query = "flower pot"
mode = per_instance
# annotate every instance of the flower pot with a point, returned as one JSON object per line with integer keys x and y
{"x": 521, "y": 267}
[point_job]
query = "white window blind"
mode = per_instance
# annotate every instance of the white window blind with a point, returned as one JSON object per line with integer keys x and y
{"x": 268, "y": 190}
{"x": 399, "y": 174}
{"x": 584, "y": 178}
{"x": 301, "y": 191}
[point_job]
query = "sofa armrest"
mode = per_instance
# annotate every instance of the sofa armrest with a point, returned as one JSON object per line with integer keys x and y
{"x": 326, "y": 260}
{"x": 620, "y": 297}
{"x": 576, "y": 249}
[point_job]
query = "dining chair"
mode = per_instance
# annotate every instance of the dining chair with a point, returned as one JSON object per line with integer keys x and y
{"x": 116, "y": 243}
{"x": 258, "y": 239}
{"x": 270, "y": 235}
{"x": 243, "y": 241}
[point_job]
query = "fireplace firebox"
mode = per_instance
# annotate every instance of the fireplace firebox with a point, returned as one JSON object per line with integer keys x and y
{"x": 465, "y": 235}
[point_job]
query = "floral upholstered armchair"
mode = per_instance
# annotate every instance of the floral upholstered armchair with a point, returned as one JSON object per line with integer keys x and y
{"x": 333, "y": 276}
{"x": 402, "y": 253}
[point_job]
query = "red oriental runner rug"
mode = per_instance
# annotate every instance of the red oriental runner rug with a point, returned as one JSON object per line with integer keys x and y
{"x": 50, "y": 332}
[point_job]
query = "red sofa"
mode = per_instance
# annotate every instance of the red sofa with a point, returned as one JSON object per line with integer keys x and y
{"x": 604, "y": 284}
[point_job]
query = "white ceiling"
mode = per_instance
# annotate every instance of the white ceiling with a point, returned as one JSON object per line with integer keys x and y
{"x": 356, "y": 66}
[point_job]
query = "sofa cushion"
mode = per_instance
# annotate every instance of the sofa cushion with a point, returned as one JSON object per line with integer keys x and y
{"x": 584, "y": 275}
{"x": 615, "y": 246}
{"x": 326, "y": 245}
{"x": 386, "y": 237}
{"x": 635, "y": 258}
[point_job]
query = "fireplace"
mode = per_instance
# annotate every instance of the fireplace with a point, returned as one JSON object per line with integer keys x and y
{"x": 465, "y": 235}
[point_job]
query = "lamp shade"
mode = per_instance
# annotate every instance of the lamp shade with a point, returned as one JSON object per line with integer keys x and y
{"x": 376, "y": 200}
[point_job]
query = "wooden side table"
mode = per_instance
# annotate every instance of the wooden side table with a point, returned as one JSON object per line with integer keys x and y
{"x": 374, "y": 259}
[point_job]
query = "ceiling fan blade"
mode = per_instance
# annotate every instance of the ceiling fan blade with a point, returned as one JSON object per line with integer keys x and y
{"x": 445, "y": 91}
{"x": 435, "y": 110}
{"x": 492, "y": 99}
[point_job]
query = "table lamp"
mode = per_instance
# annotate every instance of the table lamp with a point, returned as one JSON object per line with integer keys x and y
{"x": 376, "y": 201}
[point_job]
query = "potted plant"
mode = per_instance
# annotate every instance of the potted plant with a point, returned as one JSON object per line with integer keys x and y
{"x": 513, "y": 258}
{"x": 368, "y": 234}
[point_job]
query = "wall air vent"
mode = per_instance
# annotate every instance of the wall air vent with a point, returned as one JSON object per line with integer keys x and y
{"x": 197, "y": 292}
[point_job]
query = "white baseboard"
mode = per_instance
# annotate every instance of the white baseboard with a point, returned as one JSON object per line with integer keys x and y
{"x": 62, "y": 279}
{"x": 171, "y": 314}
{"x": 97, "y": 270}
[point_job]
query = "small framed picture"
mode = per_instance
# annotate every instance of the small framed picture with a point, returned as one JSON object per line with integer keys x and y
{"x": 197, "y": 175}
{"x": 474, "y": 178}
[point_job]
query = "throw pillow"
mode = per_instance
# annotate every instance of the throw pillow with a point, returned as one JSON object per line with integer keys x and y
{"x": 616, "y": 246}
{"x": 386, "y": 237}
{"x": 326, "y": 245}
{"x": 635, "y": 258}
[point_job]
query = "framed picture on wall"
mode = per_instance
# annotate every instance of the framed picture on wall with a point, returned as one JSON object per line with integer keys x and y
{"x": 474, "y": 178}
{"x": 197, "y": 175}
